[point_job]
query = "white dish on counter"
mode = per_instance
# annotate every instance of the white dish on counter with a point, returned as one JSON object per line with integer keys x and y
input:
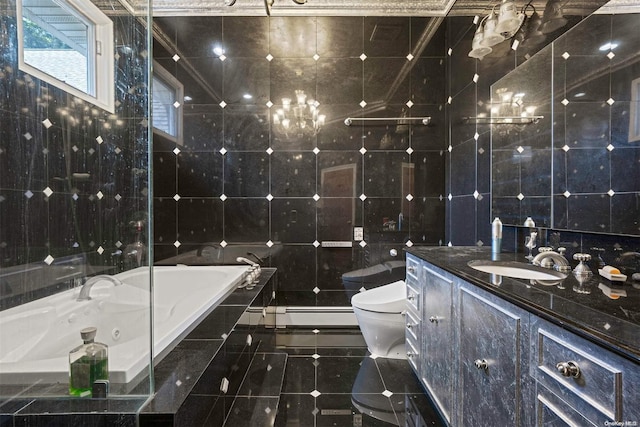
{"x": 612, "y": 276}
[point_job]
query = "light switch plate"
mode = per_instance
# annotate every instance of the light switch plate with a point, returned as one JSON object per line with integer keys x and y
{"x": 358, "y": 233}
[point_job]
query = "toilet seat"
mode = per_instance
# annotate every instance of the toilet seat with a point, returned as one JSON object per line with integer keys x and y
{"x": 377, "y": 275}
{"x": 391, "y": 298}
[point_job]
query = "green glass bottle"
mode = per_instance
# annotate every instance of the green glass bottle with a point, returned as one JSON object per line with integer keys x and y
{"x": 88, "y": 363}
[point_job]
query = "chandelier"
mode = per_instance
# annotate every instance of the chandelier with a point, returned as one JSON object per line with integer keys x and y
{"x": 508, "y": 22}
{"x": 302, "y": 117}
{"x": 495, "y": 28}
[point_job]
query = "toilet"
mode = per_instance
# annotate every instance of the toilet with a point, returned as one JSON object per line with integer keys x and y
{"x": 380, "y": 315}
{"x": 374, "y": 276}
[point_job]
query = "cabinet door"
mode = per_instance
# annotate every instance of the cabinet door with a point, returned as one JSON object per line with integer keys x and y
{"x": 492, "y": 333}
{"x": 437, "y": 335}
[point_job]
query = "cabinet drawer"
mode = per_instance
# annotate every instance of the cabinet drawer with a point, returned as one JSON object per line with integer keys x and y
{"x": 413, "y": 297}
{"x": 413, "y": 355}
{"x": 413, "y": 269}
{"x": 413, "y": 326}
{"x": 590, "y": 376}
{"x": 553, "y": 411}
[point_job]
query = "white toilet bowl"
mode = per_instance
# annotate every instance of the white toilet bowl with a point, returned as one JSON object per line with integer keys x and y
{"x": 380, "y": 314}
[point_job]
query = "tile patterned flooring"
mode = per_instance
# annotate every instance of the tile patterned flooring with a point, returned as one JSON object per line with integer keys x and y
{"x": 322, "y": 378}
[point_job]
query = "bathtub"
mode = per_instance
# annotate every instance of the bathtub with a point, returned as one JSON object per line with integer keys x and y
{"x": 35, "y": 338}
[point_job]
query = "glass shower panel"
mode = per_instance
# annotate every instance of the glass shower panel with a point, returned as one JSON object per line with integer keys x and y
{"x": 74, "y": 218}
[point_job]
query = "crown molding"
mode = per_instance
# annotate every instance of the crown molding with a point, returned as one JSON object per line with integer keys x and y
{"x": 620, "y": 6}
{"x": 429, "y": 8}
{"x": 435, "y": 8}
{"x": 569, "y": 7}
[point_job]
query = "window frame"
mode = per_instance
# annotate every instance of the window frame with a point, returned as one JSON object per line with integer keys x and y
{"x": 168, "y": 79}
{"x": 100, "y": 50}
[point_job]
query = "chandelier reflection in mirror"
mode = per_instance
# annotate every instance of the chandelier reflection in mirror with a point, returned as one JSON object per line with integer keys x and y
{"x": 300, "y": 118}
{"x": 509, "y": 112}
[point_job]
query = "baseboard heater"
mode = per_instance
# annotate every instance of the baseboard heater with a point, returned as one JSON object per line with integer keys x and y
{"x": 303, "y": 316}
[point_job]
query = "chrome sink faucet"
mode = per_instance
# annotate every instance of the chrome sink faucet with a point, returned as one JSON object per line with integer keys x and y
{"x": 549, "y": 259}
{"x": 85, "y": 291}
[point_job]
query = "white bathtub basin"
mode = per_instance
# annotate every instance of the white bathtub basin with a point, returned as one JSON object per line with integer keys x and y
{"x": 35, "y": 338}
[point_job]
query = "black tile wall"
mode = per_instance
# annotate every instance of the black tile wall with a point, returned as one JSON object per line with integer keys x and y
{"x": 469, "y": 165}
{"x": 261, "y": 187}
{"x": 80, "y": 217}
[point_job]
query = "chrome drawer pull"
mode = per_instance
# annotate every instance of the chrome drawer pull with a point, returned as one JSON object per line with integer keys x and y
{"x": 411, "y": 269}
{"x": 411, "y": 297}
{"x": 481, "y": 364}
{"x": 410, "y": 354}
{"x": 433, "y": 319}
{"x": 568, "y": 369}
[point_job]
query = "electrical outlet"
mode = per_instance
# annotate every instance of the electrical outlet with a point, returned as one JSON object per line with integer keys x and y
{"x": 358, "y": 233}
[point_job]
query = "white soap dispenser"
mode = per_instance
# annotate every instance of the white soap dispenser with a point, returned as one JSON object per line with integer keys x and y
{"x": 496, "y": 237}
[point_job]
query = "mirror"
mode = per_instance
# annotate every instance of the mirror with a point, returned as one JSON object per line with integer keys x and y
{"x": 578, "y": 166}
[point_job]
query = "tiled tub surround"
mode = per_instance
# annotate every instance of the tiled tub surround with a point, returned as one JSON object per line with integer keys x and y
{"x": 218, "y": 337}
{"x": 510, "y": 337}
{"x": 188, "y": 380}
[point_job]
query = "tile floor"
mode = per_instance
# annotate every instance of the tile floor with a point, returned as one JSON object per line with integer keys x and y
{"x": 326, "y": 378}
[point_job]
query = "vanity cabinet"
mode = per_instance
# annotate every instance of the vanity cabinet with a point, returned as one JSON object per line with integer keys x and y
{"x": 485, "y": 362}
{"x": 474, "y": 347}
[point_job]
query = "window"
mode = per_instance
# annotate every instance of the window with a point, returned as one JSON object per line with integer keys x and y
{"x": 167, "y": 96}
{"x": 69, "y": 44}
{"x": 634, "y": 113}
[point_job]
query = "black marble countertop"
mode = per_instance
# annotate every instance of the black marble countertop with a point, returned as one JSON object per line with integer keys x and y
{"x": 582, "y": 307}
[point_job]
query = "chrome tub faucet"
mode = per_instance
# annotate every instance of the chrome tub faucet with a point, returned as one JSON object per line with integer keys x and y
{"x": 85, "y": 290}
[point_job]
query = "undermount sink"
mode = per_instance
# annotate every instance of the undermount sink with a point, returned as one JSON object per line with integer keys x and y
{"x": 516, "y": 270}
